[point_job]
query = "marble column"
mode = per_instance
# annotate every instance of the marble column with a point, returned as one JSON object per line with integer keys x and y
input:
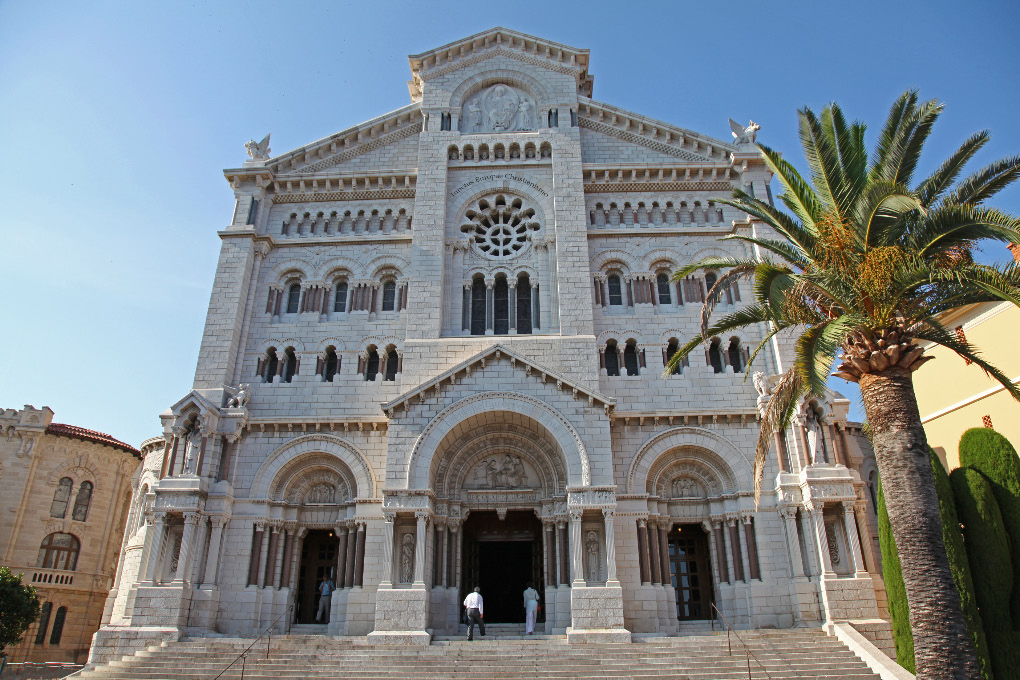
{"x": 854, "y": 540}
{"x": 562, "y": 559}
{"x": 263, "y": 556}
{"x": 296, "y": 557}
{"x": 550, "y": 553}
{"x": 359, "y": 556}
{"x": 713, "y": 550}
{"x": 187, "y": 538}
{"x": 341, "y": 555}
{"x": 607, "y": 519}
{"x": 642, "y": 551}
{"x": 821, "y": 538}
{"x": 789, "y": 514}
{"x": 421, "y": 537}
{"x": 215, "y": 541}
{"x": 664, "y": 530}
{"x": 439, "y": 578}
{"x": 156, "y": 538}
{"x": 352, "y": 549}
{"x": 576, "y": 548}
{"x": 387, "y": 558}
{"x": 654, "y": 564}
{"x": 745, "y": 556}
{"x": 197, "y": 570}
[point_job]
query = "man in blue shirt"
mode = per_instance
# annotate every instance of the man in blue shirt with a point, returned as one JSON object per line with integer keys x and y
{"x": 325, "y": 599}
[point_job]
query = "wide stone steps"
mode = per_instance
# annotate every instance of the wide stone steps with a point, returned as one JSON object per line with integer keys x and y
{"x": 779, "y": 655}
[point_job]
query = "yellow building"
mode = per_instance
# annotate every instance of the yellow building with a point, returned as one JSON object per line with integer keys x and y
{"x": 954, "y": 395}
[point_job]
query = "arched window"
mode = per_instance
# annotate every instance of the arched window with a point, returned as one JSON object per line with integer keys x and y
{"x": 58, "y": 508}
{"x": 715, "y": 358}
{"x": 501, "y": 304}
{"x": 736, "y": 355}
{"x": 270, "y": 365}
{"x": 331, "y": 365}
{"x": 293, "y": 298}
{"x": 524, "y": 305}
{"x": 58, "y": 626}
{"x": 290, "y": 364}
{"x": 59, "y": 551}
{"x": 672, "y": 348}
{"x": 340, "y": 298}
{"x": 392, "y": 363}
{"x": 372, "y": 365}
{"x": 710, "y": 279}
{"x": 389, "y": 296}
{"x": 44, "y": 622}
{"x": 612, "y": 358}
{"x": 662, "y": 282}
{"x": 478, "y": 306}
{"x": 82, "y": 502}
{"x": 630, "y": 358}
{"x": 615, "y": 290}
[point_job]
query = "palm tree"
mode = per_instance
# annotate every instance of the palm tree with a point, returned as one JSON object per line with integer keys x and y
{"x": 863, "y": 266}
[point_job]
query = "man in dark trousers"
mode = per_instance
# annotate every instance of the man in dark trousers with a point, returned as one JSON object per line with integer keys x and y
{"x": 475, "y": 612}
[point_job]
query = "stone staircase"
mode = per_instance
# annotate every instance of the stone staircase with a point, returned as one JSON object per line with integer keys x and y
{"x": 777, "y": 654}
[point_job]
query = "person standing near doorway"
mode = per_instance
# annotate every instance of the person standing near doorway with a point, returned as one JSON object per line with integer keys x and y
{"x": 475, "y": 612}
{"x": 325, "y": 600}
{"x": 530, "y": 609}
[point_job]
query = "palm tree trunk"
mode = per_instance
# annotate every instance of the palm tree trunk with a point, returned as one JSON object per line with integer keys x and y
{"x": 942, "y": 647}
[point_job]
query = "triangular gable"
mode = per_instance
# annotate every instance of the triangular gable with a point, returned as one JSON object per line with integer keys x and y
{"x": 666, "y": 139}
{"x": 498, "y": 352}
{"x": 203, "y": 402}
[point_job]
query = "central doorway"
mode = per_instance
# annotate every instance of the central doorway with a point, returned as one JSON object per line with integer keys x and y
{"x": 502, "y": 557}
{"x": 318, "y": 560}
{"x": 691, "y": 572}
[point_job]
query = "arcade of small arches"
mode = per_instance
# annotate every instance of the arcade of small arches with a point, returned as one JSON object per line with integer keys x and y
{"x": 618, "y": 290}
{"x": 499, "y": 151}
{"x": 337, "y": 223}
{"x": 625, "y": 356}
{"x": 667, "y": 213}
{"x": 373, "y": 363}
{"x": 341, "y": 296}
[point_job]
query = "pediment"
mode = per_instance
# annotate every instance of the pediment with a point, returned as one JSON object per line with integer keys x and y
{"x": 478, "y": 362}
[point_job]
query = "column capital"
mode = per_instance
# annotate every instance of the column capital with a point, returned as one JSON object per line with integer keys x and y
{"x": 575, "y": 514}
{"x": 706, "y": 526}
{"x": 160, "y": 517}
{"x": 192, "y": 517}
{"x": 608, "y": 513}
{"x": 422, "y": 516}
{"x": 788, "y": 511}
{"x": 641, "y": 522}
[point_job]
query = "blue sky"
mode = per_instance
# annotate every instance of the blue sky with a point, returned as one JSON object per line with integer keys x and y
{"x": 118, "y": 117}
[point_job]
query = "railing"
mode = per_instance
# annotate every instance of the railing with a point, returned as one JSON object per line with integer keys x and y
{"x": 267, "y": 633}
{"x": 53, "y": 577}
{"x": 729, "y": 646}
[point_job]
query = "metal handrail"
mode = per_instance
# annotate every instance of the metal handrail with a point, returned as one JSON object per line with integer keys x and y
{"x": 729, "y": 646}
{"x": 269, "y": 640}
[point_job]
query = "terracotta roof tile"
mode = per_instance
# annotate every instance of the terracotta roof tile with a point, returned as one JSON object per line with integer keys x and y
{"x": 85, "y": 434}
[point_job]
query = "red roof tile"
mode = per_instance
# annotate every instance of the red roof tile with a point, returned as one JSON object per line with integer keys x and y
{"x": 90, "y": 436}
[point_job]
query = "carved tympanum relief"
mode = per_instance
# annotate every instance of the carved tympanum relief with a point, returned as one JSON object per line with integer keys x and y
{"x": 685, "y": 487}
{"x": 499, "y": 108}
{"x": 500, "y": 472}
{"x": 321, "y": 493}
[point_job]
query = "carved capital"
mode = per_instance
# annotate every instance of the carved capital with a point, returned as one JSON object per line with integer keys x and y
{"x": 641, "y": 523}
{"x": 192, "y": 517}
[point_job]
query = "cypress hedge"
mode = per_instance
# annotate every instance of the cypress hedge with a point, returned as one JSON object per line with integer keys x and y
{"x": 992, "y": 455}
{"x": 896, "y": 592}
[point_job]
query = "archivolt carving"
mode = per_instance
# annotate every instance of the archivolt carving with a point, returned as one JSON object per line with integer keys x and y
{"x": 319, "y": 486}
{"x": 705, "y": 448}
{"x": 483, "y": 83}
{"x": 687, "y": 479}
{"x": 499, "y": 108}
{"x": 319, "y": 451}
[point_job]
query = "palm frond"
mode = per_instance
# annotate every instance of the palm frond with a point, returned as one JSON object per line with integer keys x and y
{"x": 823, "y": 159}
{"x": 901, "y": 110}
{"x": 775, "y": 418}
{"x": 960, "y": 225}
{"x": 738, "y": 271}
{"x": 932, "y": 331}
{"x": 797, "y": 194}
{"x": 924, "y": 118}
{"x": 986, "y": 182}
{"x": 789, "y": 253}
{"x": 939, "y": 181}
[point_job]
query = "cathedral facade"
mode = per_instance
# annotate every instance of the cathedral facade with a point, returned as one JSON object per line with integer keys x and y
{"x": 434, "y": 358}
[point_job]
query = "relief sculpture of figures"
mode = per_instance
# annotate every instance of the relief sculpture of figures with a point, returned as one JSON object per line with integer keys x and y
{"x": 322, "y": 493}
{"x": 506, "y": 474}
{"x": 593, "y": 567}
{"x": 500, "y": 108}
{"x": 685, "y": 487}
{"x": 407, "y": 559}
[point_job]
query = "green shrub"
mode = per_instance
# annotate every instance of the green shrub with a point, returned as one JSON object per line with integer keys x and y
{"x": 958, "y": 562}
{"x": 896, "y": 592}
{"x": 19, "y": 607}
{"x": 991, "y": 454}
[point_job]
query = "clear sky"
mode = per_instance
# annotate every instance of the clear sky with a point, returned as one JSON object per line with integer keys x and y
{"x": 117, "y": 118}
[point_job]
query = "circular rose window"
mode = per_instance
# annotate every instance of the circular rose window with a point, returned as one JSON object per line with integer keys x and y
{"x": 500, "y": 229}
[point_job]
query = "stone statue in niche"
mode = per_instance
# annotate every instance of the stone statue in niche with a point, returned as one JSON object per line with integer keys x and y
{"x": 499, "y": 108}
{"x": 685, "y": 487}
{"x": 815, "y": 438}
{"x": 508, "y": 473}
{"x": 322, "y": 494}
{"x": 193, "y": 444}
{"x": 593, "y": 568}
{"x": 407, "y": 559}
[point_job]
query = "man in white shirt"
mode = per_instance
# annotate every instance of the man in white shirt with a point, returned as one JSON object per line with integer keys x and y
{"x": 475, "y": 612}
{"x": 530, "y": 609}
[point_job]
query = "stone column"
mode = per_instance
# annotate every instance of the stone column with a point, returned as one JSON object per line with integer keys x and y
{"x": 466, "y": 311}
{"x": 789, "y": 514}
{"x": 550, "y": 553}
{"x": 561, "y": 544}
{"x": 642, "y": 551}
{"x": 576, "y": 547}
{"x": 745, "y": 557}
{"x": 511, "y": 287}
{"x": 607, "y": 519}
{"x": 156, "y": 538}
{"x": 713, "y": 550}
{"x": 352, "y": 548}
{"x": 420, "y": 548}
{"x": 215, "y": 539}
{"x": 296, "y": 556}
{"x": 664, "y": 554}
{"x": 263, "y": 555}
{"x": 821, "y": 539}
{"x": 197, "y": 568}
{"x": 439, "y": 578}
{"x": 288, "y": 556}
{"x": 725, "y": 568}
{"x": 777, "y": 441}
{"x": 341, "y": 560}
{"x": 458, "y": 550}
{"x": 854, "y": 540}
{"x": 652, "y": 539}
{"x": 359, "y": 556}
{"x": 188, "y": 537}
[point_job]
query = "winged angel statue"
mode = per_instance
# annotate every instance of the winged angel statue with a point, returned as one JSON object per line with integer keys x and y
{"x": 744, "y": 135}
{"x": 259, "y": 151}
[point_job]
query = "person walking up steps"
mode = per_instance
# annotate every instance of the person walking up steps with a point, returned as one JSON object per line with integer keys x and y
{"x": 475, "y": 613}
{"x": 530, "y": 609}
{"x": 325, "y": 600}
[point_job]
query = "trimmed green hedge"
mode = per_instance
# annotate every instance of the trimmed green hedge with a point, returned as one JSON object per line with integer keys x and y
{"x": 892, "y": 574}
{"x": 991, "y": 454}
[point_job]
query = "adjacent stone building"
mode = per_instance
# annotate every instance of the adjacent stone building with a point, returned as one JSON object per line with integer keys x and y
{"x": 433, "y": 359}
{"x": 65, "y": 493}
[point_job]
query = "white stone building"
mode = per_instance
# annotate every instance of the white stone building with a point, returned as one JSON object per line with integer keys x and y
{"x": 454, "y": 319}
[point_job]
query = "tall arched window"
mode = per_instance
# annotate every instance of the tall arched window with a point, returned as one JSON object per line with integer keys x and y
{"x": 58, "y": 626}
{"x": 524, "y": 305}
{"x": 672, "y": 348}
{"x": 290, "y": 364}
{"x": 340, "y": 297}
{"x": 612, "y": 358}
{"x": 372, "y": 364}
{"x": 392, "y": 363}
{"x": 270, "y": 365}
{"x": 58, "y": 508}
{"x": 501, "y": 305}
{"x": 615, "y": 290}
{"x": 44, "y": 622}
{"x": 389, "y": 296}
{"x": 710, "y": 279}
{"x": 478, "y": 306}
{"x": 59, "y": 551}
{"x": 630, "y": 358}
{"x": 662, "y": 282}
{"x": 331, "y": 365}
{"x": 715, "y": 358}
{"x": 82, "y": 502}
{"x": 736, "y": 356}
{"x": 293, "y": 298}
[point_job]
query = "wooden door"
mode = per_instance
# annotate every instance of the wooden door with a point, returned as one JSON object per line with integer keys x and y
{"x": 691, "y": 572}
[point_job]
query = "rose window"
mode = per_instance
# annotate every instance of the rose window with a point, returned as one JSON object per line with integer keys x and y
{"x": 498, "y": 229}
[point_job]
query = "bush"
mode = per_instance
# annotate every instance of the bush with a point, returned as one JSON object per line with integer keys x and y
{"x": 19, "y": 608}
{"x": 958, "y": 562}
{"x": 895, "y": 591}
{"x": 992, "y": 455}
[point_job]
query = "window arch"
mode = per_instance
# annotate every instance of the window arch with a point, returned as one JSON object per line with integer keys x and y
{"x": 270, "y": 365}
{"x": 501, "y": 306}
{"x": 710, "y": 279}
{"x": 371, "y": 363}
{"x": 59, "y": 551}
{"x": 290, "y": 364}
{"x": 58, "y": 508}
{"x": 615, "y": 290}
{"x": 392, "y": 363}
{"x": 630, "y": 358}
{"x": 82, "y": 502}
{"x": 58, "y": 626}
{"x": 389, "y": 296}
{"x": 478, "y": 293}
{"x": 44, "y": 622}
{"x": 662, "y": 283}
{"x": 340, "y": 297}
{"x": 672, "y": 347}
{"x": 612, "y": 358}
{"x": 736, "y": 355}
{"x": 524, "y": 324}
{"x": 715, "y": 356}
{"x": 331, "y": 364}
{"x": 293, "y": 298}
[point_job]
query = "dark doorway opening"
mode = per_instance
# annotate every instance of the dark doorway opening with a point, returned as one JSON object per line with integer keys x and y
{"x": 502, "y": 557}
{"x": 318, "y": 560}
{"x": 691, "y": 572}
